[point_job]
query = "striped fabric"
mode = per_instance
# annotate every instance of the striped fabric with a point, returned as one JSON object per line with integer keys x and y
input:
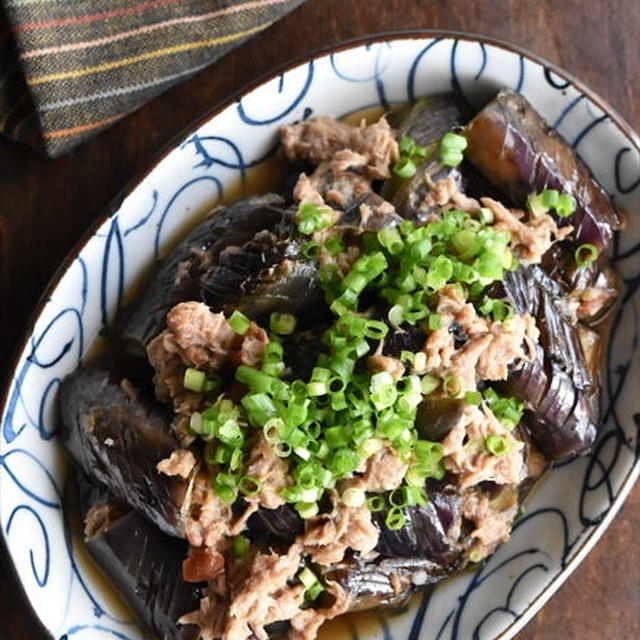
{"x": 88, "y": 63}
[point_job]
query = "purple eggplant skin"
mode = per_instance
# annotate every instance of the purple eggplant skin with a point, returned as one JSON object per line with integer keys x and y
{"x": 177, "y": 278}
{"x": 384, "y": 582}
{"x": 117, "y": 438}
{"x": 145, "y": 567}
{"x": 510, "y": 143}
{"x": 558, "y": 386}
{"x": 425, "y": 123}
{"x": 275, "y": 528}
{"x": 426, "y": 533}
{"x": 264, "y": 274}
{"x": 531, "y": 290}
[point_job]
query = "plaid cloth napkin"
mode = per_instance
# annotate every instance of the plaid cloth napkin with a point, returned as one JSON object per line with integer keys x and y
{"x": 69, "y": 68}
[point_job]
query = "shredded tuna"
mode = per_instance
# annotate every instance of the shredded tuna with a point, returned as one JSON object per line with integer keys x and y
{"x": 328, "y": 536}
{"x": 269, "y": 469}
{"x": 208, "y": 519}
{"x": 384, "y": 470}
{"x": 529, "y": 240}
{"x": 493, "y": 519}
{"x": 466, "y": 454}
{"x": 305, "y": 624}
{"x": 591, "y": 300}
{"x": 319, "y": 139}
{"x": 180, "y": 463}
{"x": 489, "y": 349}
{"x": 210, "y": 617}
{"x": 99, "y": 517}
{"x": 206, "y": 339}
{"x": 378, "y": 362}
{"x": 264, "y": 596}
{"x": 444, "y": 193}
{"x": 306, "y": 191}
{"x": 441, "y": 192}
{"x": 463, "y": 202}
{"x": 328, "y": 186}
{"x": 196, "y": 337}
{"x": 505, "y": 346}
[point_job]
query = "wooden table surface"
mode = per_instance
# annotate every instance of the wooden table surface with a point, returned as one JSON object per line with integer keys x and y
{"x": 46, "y": 205}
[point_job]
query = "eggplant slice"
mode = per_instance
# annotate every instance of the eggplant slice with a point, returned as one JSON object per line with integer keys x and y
{"x": 117, "y": 438}
{"x": 427, "y": 121}
{"x": 558, "y": 386}
{"x": 264, "y": 274}
{"x": 510, "y": 143}
{"x": 177, "y": 277}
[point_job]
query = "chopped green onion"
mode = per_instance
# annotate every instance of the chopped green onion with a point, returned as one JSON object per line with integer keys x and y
{"x": 398, "y": 497}
{"x": 308, "y": 249}
{"x": 391, "y": 240}
{"x": 585, "y": 254}
{"x": 395, "y": 519}
{"x": 353, "y": 497}
{"x": 250, "y": 486}
{"x": 453, "y": 141}
{"x": 464, "y": 241}
{"x": 240, "y": 546}
{"x": 282, "y": 323}
{"x": 239, "y": 322}
{"x": 307, "y": 577}
{"x": 452, "y": 386}
{"x": 195, "y": 422}
{"x": 193, "y": 379}
{"x": 405, "y": 168}
{"x": 307, "y": 509}
{"x": 333, "y": 245}
{"x": 212, "y": 383}
{"x": 434, "y": 322}
{"x": 486, "y": 216}
{"x": 375, "y": 503}
{"x": 566, "y": 205}
{"x": 314, "y": 591}
{"x": 429, "y": 383}
{"x": 451, "y": 157}
{"x": 497, "y": 445}
{"x": 473, "y": 397}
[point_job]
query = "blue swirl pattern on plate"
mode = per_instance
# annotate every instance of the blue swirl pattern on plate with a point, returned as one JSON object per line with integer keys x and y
{"x": 560, "y": 525}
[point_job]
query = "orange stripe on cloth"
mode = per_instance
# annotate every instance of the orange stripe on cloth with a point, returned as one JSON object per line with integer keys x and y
{"x": 60, "y": 133}
{"x": 31, "y": 26}
{"x": 74, "y": 46}
{"x": 123, "y": 62}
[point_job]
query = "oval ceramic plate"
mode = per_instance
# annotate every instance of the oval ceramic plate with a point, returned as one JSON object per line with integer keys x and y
{"x": 569, "y": 510}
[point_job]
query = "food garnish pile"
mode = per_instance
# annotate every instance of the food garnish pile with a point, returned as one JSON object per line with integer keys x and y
{"x": 328, "y": 399}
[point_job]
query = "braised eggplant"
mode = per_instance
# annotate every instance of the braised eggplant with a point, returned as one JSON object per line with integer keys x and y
{"x": 517, "y": 151}
{"x": 117, "y": 438}
{"x": 355, "y": 376}
{"x": 558, "y": 385}
{"x": 267, "y": 273}
{"x": 427, "y": 121}
{"x": 177, "y": 277}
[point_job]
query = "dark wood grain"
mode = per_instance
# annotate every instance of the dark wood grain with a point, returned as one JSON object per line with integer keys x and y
{"x": 46, "y": 205}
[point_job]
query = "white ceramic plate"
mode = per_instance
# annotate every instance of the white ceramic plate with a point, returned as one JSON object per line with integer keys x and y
{"x": 567, "y": 513}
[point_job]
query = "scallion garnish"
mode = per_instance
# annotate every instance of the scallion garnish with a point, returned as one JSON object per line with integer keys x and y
{"x": 194, "y": 380}
{"x": 282, "y": 323}
{"x": 585, "y": 254}
{"x": 451, "y": 148}
{"x": 239, "y": 322}
{"x": 240, "y": 546}
{"x": 496, "y": 445}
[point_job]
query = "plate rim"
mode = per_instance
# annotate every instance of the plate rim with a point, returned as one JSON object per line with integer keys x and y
{"x": 111, "y": 208}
